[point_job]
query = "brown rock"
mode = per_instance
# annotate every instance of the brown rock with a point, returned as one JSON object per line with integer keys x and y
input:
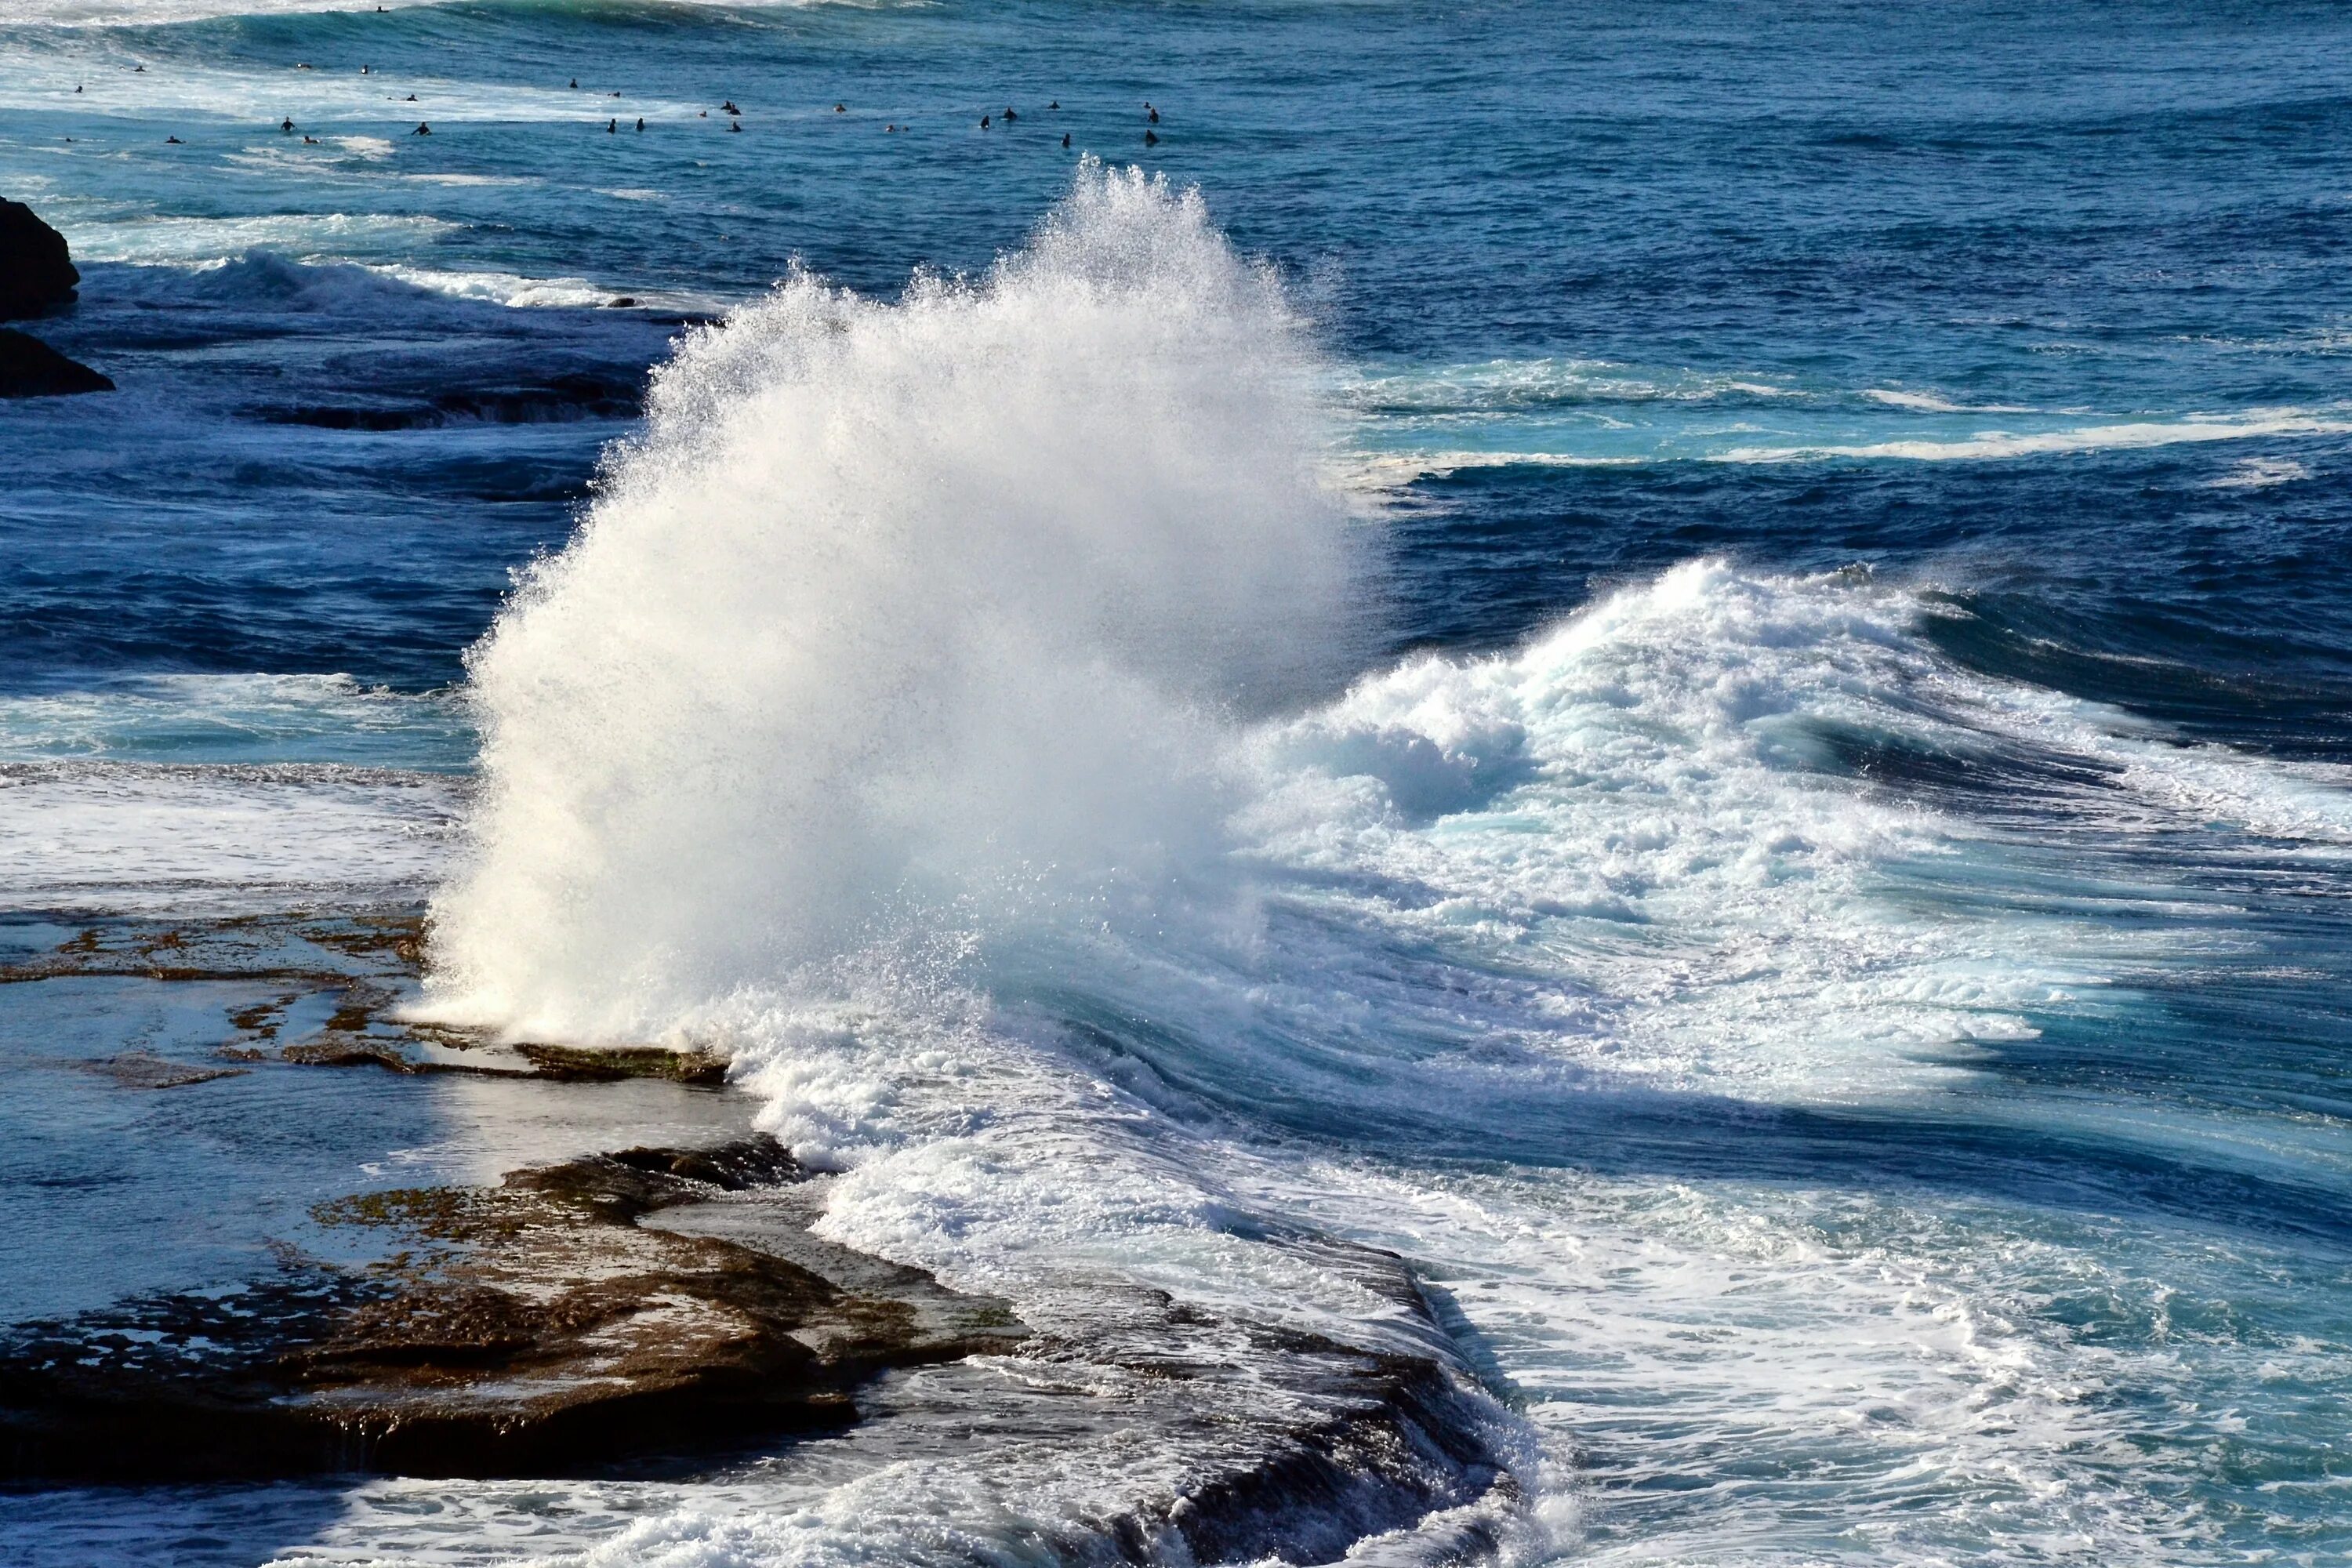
{"x": 533, "y": 1328}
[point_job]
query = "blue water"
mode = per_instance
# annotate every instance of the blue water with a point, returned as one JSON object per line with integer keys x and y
{"x": 1860, "y": 1034}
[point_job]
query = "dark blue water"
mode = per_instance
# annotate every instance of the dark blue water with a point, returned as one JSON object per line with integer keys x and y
{"x": 2015, "y": 335}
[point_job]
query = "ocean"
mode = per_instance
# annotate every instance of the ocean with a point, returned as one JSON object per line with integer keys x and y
{"x": 1689, "y": 664}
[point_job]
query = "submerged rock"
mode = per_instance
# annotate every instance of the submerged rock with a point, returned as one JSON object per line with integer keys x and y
{"x": 534, "y": 1327}
{"x": 560, "y": 399}
{"x": 144, "y": 1070}
{"x": 36, "y": 271}
{"x": 30, "y": 368}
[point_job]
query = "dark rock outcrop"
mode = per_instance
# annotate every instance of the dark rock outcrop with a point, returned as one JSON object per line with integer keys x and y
{"x": 362, "y": 961}
{"x": 30, "y": 368}
{"x": 37, "y": 274}
{"x": 533, "y": 1328}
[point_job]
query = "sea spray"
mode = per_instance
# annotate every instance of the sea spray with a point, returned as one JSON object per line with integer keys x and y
{"x": 935, "y": 605}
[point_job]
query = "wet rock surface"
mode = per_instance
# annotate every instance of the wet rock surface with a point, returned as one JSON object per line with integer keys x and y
{"x": 362, "y": 967}
{"x": 30, "y": 368}
{"x": 37, "y": 269}
{"x": 1281, "y": 1444}
{"x": 36, "y": 276}
{"x": 530, "y": 1328}
{"x": 144, "y": 1070}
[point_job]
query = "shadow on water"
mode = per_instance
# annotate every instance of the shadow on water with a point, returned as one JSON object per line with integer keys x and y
{"x": 226, "y": 1526}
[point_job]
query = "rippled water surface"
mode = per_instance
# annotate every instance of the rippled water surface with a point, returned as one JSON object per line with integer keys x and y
{"x": 1691, "y": 664}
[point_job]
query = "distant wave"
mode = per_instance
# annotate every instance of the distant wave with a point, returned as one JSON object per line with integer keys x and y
{"x": 1935, "y": 403}
{"x": 1505, "y": 384}
{"x": 2261, "y": 473}
{"x": 2085, "y": 439}
{"x": 152, "y": 13}
{"x": 264, "y": 279}
{"x": 1390, "y": 468}
{"x": 319, "y": 238}
{"x": 237, "y": 718}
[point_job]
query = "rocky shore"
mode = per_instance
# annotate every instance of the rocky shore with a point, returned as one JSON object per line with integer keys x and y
{"x": 674, "y": 1305}
{"x": 526, "y": 1328}
{"x": 36, "y": 277}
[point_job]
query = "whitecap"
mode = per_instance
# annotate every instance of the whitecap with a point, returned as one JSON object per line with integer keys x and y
{"x": 2124, "y": 436}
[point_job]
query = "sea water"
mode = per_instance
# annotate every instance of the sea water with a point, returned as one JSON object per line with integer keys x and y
{"x": 1690, "y": 664}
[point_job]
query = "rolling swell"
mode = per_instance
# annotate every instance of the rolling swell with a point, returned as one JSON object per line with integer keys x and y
{"x": 2175, "y": 592}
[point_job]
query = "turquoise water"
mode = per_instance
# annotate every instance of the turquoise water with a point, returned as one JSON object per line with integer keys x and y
{"x": 1796, "y": 867}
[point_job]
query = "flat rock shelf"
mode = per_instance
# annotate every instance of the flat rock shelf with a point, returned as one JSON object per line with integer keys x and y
{"x": 596, "y": 1301}
{"x": 517, "y": 1329}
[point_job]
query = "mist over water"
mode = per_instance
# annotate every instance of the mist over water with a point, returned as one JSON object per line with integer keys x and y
{"x": 933, "y": 610}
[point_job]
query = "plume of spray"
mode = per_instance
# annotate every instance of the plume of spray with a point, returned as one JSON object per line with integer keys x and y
{"x": 937, "y": 611}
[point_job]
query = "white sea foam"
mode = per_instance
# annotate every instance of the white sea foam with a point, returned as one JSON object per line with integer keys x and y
{"x": 514, "y": 290}
{"x": 261, "y": 277}
{"x": 196, "y": 794}
{"x": 338, "y": 97}
{"x": 1392, "y": 470}
{"x": 1858, "y": 1376}
{"x": 2105, "y": 437}
{"x": 1497, "y": 385}
{"x": 332, "y": 236}
{"x": 220, "y": 839}
{"x": 1413, "y": 421}
{"x": 1402, "y": 460}
{"x": 1644, "y": 769}
{"x": 2261, "y": 473}
{"x": 1935, "y": 403}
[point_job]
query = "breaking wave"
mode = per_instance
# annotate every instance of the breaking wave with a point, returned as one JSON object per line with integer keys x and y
{"x": 943, "y": 605}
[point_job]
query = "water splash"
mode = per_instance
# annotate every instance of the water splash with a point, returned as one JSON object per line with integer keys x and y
{"x": 939, "y": 604}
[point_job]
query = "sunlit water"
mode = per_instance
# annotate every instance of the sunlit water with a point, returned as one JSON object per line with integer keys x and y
{"x": 1715, "y": 708}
